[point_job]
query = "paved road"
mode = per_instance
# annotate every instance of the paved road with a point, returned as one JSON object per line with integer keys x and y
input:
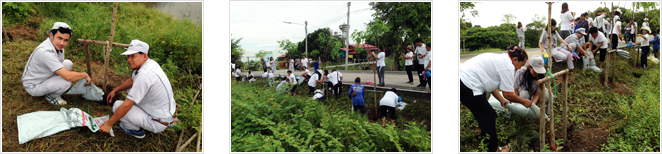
{"x": 531, "y": 51}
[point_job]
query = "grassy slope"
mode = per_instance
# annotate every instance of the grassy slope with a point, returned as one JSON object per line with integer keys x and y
{"x": 330, "y": 116}
{"x": 17, "y": 102}
{"x": 634, "y": 93}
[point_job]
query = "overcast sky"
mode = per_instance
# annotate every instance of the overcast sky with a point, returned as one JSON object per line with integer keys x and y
{"x": 261, "y": 23}
{"x": 491, "y": 13}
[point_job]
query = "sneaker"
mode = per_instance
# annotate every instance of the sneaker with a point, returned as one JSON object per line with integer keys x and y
{"x": 55, "y": 100}
{"x": 138, "y": 134}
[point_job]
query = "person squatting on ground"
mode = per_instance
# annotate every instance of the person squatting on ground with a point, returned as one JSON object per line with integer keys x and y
{"x": 556, "y": 52}
{"x": 47, "y": 73}
{"x": 314, "y": 79}
{"x": 381, "y": 65}
{"x": 387, "y": 106}
{"x": 567, "y": 18}
{"x": 645, "y": 48}
{"x": 656, "y": 44}
{"x": 149, "y": 103}
{"x": 599, "y": 43}
{"x": 485, "y": 73}
{"x": 336, "y": 80}
{"x": 577, "y": 43}
{"x": 409, "y": 62}
{"x": 420, "y": 53}
{"x": 525, "y": 82}
{"x": 356, "y": 93}
{"x": 291, "y": 78}
{"x": 520, "y": 34}
{"x": 237, "y": 73}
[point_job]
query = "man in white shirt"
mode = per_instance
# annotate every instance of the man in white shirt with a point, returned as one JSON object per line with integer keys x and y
{"x": 237, "y": 73}
{"x": 293, "y": 81}
{"x": 387, "y": 106}
{"x": 291, "y": 64}
{"x": 149, "y": 103}
{"x": 645, "y": 24}
{"x": 47, "y": 73}
{"x": 304, "y": 61}
{"x": 336, "y": 80}
{"x": 273, "y": 65}
{"x": 409, "y": 62}
{"x": 420, "y": 52}
{"x": 381, "y": 65}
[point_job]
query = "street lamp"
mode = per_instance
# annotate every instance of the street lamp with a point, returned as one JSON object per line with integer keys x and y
{"x": 306, "y": 26}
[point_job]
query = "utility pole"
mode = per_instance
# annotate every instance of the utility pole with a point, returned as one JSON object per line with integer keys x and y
{"x": 347, "y": 38}
{"x": 306, "y": 25}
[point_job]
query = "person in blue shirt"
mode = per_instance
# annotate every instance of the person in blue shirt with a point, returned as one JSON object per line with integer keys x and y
{"x": 656, "y": 44}
{"x": 317, "y": 65}
{"x": 356, "y": 93}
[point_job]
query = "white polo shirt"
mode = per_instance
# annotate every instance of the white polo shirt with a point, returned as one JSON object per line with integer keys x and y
{"x": 335, "y": 77}
{"x": 421, "y": 51}
{"x": 307, "y": 72}
{"x": 237, "y": 73}
{"x": 389, "y": 99}
{"x": 313, "y": 80}
{"x": 292, "y": 78}
{"x": 152, "y": 92}
{"x": 427, "y": 60}
{"x": 42, "y": 64}
{"x": 600, "y": 38}
{"x": 409, "y": 62}
{"x": 487, "y": 72}
{"x": 565, "y": 20}
{"x": 305, "y": 62}
{"x": 380, "y": 59}
{"x": 616, "y": 26}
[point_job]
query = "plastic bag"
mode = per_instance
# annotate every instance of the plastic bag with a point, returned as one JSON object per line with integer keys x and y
{"x": 401, "y": 105}
{"x": 533, "y": 112}
{"x": 91, "y": 92}
{"x": 40, "y": 124}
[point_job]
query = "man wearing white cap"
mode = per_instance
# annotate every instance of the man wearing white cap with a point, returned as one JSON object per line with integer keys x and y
{"x": 577, "y": 42}
{"x": 645, "y": 24}
{"x": 149, "y": 103}
{"x": 47, "y": 73}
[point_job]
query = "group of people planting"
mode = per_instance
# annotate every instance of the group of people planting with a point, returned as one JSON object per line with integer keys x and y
{"x": 512, "y": 83}
{"x": 149, "y": 103}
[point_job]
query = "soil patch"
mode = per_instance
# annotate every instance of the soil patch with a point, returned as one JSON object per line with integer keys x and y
{"x": 621, "y": 89}
{"x": 586, "y": 140}
{"x": 20, "y": 32}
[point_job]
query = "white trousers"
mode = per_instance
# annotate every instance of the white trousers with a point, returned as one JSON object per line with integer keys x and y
{"x": 136, "y": 118}
{"x": 562, "y": 54}
{"x": 53, "y": 86}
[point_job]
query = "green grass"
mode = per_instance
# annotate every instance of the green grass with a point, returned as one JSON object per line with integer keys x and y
{"x": 181, "y": 63}
{"x": 484, "y": 50}
{"x": 266, "y": 120}
{"x": 628, "y": 111}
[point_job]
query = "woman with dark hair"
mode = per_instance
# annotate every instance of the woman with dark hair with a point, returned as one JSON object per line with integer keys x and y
{"x": 485, "y": 73}
{"x": 656, "y": 44}
{"x": 567, "y": 18}
{"x": 557, "y": 53}
{"x": 356, "y": 94}
{"x": 599, "y": 42}
{"x": 520, "y": 34}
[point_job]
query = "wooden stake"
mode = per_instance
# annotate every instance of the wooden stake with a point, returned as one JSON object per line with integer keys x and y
{"x": 115, "y": 44}
{"x": 87, "y": 60}
{"x": 542, "y": 119}
{"x": 197, "y": 149}
{"x": 109, "y": 48}
{"x": 187, "y": 142}
{"x": 565, "y": 109}
{"x": 179, "y": 142}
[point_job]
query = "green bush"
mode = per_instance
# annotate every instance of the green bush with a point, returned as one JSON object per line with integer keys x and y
{"x": 269, "y": 120}
{"x": 491, "y": 37}
{"x": 17, "y": 11}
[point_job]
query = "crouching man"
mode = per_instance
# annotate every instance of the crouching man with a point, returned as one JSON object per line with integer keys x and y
{"x": 47, "y": 73}
{"x": 149, "y": 103}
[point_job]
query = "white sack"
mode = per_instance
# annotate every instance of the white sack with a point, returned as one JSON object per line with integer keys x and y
{"x": 40, "y": 124}
{"x": 91, "y": 92}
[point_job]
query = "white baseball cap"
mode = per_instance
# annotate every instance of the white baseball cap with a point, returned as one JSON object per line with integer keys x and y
{"x": 537, "y": 63}
{"x": 58, "y": 25}
{"x": 136, "y": 46}
{"x": 582, "y": 31}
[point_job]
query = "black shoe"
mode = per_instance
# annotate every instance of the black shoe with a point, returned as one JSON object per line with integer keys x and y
{"x": 420, "y": 85}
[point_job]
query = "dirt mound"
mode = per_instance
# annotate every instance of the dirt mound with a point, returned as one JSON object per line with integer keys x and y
{"x": 20, "y": 32}
{"x": 587, "y": 140}
{"x": 621, "y": 89}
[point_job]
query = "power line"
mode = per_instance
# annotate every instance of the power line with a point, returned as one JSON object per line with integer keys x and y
{"x": 340, "y": 17}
